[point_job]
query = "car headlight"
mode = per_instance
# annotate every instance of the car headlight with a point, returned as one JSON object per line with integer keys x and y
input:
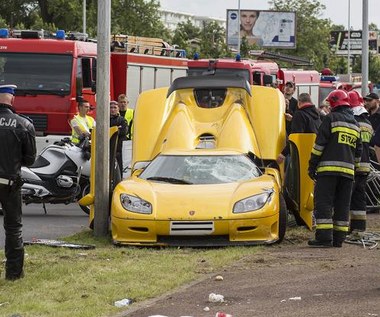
{"x": 252, "y": 203}
{"x": 135, "y": 204}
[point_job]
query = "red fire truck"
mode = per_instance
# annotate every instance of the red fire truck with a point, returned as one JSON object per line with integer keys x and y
{"x": 53, "y": 73}
{"x": 260, "y": 72}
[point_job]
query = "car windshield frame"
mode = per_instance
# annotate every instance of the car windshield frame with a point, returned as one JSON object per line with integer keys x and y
{"x": 201, "y": 169}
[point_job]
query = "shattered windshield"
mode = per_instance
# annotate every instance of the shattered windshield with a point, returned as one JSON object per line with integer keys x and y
{"x": 200, "y": 169}
{"x": 36, "y": 73}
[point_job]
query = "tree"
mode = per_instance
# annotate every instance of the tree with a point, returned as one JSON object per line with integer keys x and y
{"x": 138, "y": 17}
{"x": 15, "y": 12}
{"x": 373, "y": 27}
{"x": 312, "y": 33}
{"x": 373, "y": 67}
{"x": 245, "y": 47}
{"x": 212, "y": 40}
{"x": 132, "y": 17}
{"x": 184, "y": 34}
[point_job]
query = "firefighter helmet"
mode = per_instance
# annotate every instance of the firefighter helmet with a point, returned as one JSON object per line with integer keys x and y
{"x": 355, "y": 98}
{"x": 338, "y": 98}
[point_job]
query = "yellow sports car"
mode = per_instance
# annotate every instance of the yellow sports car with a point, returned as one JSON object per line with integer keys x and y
{"x": 220, "y": 197}
{"x": 203, "y": 166}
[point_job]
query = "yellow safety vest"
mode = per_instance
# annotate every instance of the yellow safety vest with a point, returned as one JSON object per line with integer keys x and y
{"x": 128, "y": 116}
{"x": 85, "y": 124}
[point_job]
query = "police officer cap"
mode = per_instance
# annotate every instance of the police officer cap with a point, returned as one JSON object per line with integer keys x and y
{"x": 7, "y": 89}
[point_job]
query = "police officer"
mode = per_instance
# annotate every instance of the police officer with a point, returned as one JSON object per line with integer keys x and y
{"x": 336, "y": 150}
{"x": 358, "y": 214}
{"x": 17, "y": 142}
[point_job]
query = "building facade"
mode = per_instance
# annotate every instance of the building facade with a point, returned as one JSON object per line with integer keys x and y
{"x": 171, "y": 19}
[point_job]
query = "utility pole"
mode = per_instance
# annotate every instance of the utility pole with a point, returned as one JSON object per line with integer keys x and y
{"x": 102, "y": 151}
{"x": 84, "y": 16}
{"x": 349, "y": 41}
{"x": 365, "y": 32}
{"x": 238, "y": 32}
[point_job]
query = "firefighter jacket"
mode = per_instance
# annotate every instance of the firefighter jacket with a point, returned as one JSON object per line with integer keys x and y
{"x": 128, "y": 116}
{"x": 85, "y": 124}
{"x": 337, "y": 148}
{"x": 305, "y": 120}
{"x": 17, "y": 143}
{"x": 366, "y": 132}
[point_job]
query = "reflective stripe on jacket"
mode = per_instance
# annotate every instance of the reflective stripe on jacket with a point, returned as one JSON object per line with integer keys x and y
{"x": 337, "y": 149}
{"x": 366, "y": 132}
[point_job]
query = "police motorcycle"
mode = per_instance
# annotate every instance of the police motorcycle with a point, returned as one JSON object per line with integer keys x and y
{"x": 60, "y": 174}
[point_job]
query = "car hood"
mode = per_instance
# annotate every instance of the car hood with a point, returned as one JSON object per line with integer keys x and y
{"x": 209, "y": 201}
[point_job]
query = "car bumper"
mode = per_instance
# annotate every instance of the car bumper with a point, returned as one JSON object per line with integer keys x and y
{"x": 219, "y": 232}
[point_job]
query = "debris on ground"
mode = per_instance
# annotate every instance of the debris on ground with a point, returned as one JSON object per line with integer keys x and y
{"x": 60, "y": 244}
{"x": 123, "y": 302}
{"x": 215, "y": 298}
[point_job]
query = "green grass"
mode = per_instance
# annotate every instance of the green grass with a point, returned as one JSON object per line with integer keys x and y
{"x": 65, "y": 282}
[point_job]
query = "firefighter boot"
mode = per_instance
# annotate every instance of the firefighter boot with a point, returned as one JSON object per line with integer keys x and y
{"x": 338, "y": 238}
{"x": 319, "y": 243}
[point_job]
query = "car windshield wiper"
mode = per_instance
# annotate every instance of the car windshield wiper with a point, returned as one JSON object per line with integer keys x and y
{"x": 25, "y": 93}
{"x": 168, "y": 180}
{"x": 35, "y": 92}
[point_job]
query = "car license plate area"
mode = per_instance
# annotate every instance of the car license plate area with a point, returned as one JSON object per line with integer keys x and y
{"x": 191, "y": 228}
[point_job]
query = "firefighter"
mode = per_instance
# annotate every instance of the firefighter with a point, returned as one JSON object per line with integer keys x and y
{"x": 305, "y": 120}
{"x": 358, "y": 215}
{"x": 336, "y": 151}
{"x": 82, "y": 124}
{"x": 18, "y": 145}
{"x": 127, "y": 113}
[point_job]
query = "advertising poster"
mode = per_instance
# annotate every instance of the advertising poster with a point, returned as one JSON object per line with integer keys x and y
{"x": 265, "y": 28}
{"x": 339, "y": 42}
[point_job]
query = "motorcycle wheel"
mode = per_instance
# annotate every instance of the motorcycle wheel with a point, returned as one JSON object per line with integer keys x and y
{"x": 84, "y": 190}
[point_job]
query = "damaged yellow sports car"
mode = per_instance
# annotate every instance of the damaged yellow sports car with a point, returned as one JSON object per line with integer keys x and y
{"x": 203, "y": 166}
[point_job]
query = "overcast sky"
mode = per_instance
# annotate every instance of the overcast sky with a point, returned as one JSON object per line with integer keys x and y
{"x": 336, "y": 10}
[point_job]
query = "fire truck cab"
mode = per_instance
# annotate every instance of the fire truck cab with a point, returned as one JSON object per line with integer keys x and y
{"x": 53, "y": 72}
{"x": 260, "y": 72}
{"x": 256, "y": 72}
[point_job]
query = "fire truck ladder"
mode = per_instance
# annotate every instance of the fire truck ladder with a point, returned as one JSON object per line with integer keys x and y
{"x": 294, "y": 60}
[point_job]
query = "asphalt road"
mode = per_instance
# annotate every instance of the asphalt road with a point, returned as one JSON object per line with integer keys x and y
{"x": 60, "y": 221}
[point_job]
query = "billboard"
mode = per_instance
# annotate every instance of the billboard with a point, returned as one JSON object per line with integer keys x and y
{"x": 339, "y": 42}
{"x": 275, "y": 29}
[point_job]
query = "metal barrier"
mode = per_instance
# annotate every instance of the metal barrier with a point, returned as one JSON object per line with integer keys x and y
{"x": 373, "y": 187}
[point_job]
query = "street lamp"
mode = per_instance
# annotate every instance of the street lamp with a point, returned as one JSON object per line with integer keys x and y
{"x": 84, "y": 16}
{"x": 238, "y": 48}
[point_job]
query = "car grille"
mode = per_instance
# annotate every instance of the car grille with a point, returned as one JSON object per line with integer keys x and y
{"x": 191, "y": 228}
